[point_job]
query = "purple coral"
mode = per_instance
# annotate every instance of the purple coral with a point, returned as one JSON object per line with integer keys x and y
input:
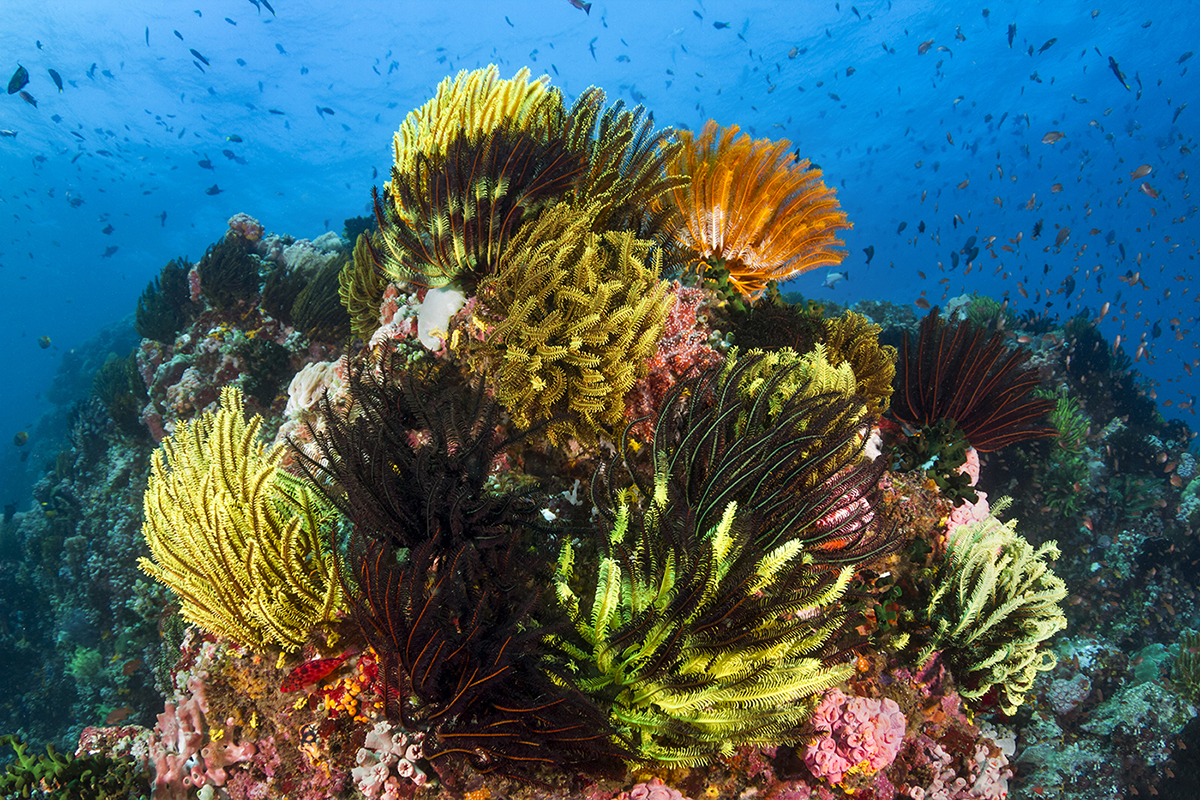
{"x": 856, "y": 734}
{"x": 655, "y": 789}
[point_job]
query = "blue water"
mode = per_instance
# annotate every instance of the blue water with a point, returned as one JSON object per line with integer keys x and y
{"x": 951, "y": 137}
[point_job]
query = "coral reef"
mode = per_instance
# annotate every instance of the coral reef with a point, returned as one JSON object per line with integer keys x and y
{"x": 584, "y": 542}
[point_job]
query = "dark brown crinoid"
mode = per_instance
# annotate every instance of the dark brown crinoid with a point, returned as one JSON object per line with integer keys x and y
{"x": 963, "y": 372}
{"x": 442, "y": 571}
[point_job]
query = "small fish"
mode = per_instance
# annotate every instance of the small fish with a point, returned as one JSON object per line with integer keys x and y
{"x": 163, "y": 218}
{"x": 8, "y": 134}
{"x": 231, "y": 22}
{"x": 1147, "y": 190}
{"x": 1056, "y": 188}
{"x": 196, "y": 53}
{"x": 212, "y": 190}
{"x": 1049, "y": 43}
{"x": 312, "y": 671}
{"x": 832, "y": 279}
{"x": 1053, "y": 136}
{"x": 108, "y": 251}
{"x": 1063, "y": 235}
{"x": 793, "y": 52}
{"x": 323, "y": 110}
{"x": 1185, "y": 57}
{"x": 275, "y": 111}
{"x": 1116, "y": 70}
{"x": 108, "y": 229}
{"x": 1012, "y": 32}
{"x": 233, "y": 137}
{"x": 921, "y": 303}
{"x": 19, "y": 79}
{"x": 901, "y": 227}
{"x": 44, "y": 342}
{"x": 509, "y": 21}
{"x": 1178, "y": 111}
{"x": 592, "y": 47}
{"x": 1140, "y": 172}
{"x": 720, "y": 25}
{"x": 870, "y": 251}
{"x": 279, "y": 47}
{"x": 923, "y": 47}
{"x": 147, "y": 35}
{"x": 28, "y": 98}
{"x": 1037, "y": 229}
{"x": 623, "y": 58}
{"x": 21, "y": 437}
{"x": 54, "y": 76}
{"x": 206, "y": 164}
{"x": 178, "y": 34}
{"x": 267, "y": 6}
{"x": 117, "y": 714}
{"x": 582, "y": 6}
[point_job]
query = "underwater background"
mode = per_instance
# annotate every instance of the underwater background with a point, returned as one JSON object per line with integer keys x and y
{"x": 1022, "y": 165}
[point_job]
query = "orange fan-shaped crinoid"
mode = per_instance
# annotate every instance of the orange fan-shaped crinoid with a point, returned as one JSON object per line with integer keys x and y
{"x": 749, "y": 205}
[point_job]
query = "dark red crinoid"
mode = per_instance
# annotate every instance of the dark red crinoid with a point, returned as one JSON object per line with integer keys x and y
{"x": 964, "y": 372}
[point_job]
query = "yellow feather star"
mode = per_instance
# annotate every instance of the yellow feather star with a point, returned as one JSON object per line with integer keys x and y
{"x": 236, "y": 539}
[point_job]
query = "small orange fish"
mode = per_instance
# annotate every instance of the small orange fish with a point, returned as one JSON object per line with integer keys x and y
{"x": 923, "y": 47}
{"x": 1063, "y": 235}
{"x": 1141, "y": 171}
{"x": 1147, "y": 189}
{"x": 963, "y": 185}
{"x": 1053, "y": 136}
{"x": 1056, "y": 188}
{"x": 117, "y": 714}
{"x": 921, "y": 303}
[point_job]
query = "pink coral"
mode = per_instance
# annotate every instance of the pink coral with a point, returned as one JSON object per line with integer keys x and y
{"x": 967, "y": 513}
{"x": 654, "y": 789}
{"x": 245, "y": 226}
{"x": 683, "y": 351}
{"x": 853, "y": 733}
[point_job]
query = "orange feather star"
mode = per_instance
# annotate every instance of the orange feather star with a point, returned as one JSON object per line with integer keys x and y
{"x": 747, "y": 206}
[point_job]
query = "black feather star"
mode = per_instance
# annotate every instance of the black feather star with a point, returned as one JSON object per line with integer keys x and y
{"x": 962, "y": 371}
{"x": 442, "y": 572}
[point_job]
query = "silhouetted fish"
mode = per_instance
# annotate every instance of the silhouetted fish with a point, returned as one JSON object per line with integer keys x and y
{"x": 19, "y": 79}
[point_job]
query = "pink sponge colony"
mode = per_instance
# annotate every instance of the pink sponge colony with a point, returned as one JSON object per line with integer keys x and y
{"x": 853, "y": 734}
